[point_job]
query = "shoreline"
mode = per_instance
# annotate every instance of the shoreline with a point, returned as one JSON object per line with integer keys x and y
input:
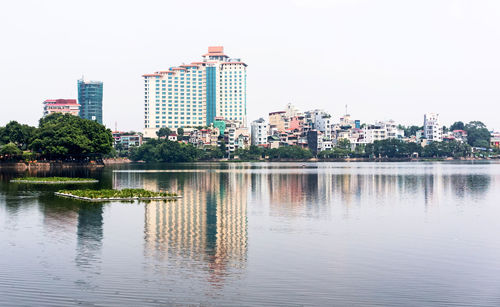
{"x": 47, "y": 166}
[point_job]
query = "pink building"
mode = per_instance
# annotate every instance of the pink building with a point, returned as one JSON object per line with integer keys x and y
{"x": 61, "y": 106}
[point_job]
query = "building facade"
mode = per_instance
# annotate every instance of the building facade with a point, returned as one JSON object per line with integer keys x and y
{"x": 65, "y": 106}
{"x": 433, "y": 131}
{"x": 126, "y": 140}
{"x": 195, "y": 94}
{"x": 90, "y": 99}
{"x": 259, "y": 132}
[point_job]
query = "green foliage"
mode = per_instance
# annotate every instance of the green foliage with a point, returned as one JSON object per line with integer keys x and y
{"x": 411, "y": 130}
{"x": 180, "y": 132}
{"x": 10, "y": 150}
{"x": 477, "y": 134}
{"x": 252, "y": 153}
{"x": 392, "y": 148}
{"x": 29, "y": 156}
{"x": 344, "y": 144}
{"x": 211, "y": 153}
{"x": 289, "y": 152}
{"x": 16, "y": 133}
{"x": 457, "y": 126}
{"x": 63, "y": 135}
{"x": 334, "y": 153}
{"x": 165, "y": 151}
{"x": 163, "y": 132}
{"x": 125, "y": 193}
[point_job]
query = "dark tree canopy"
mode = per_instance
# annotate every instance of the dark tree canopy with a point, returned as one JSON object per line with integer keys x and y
{"x": 477, "y": 134}
{"x": 16, "y": 133}
{"x": 165, "y": 151}
{"x": 163, "y": 132}
{"x": 66, "y": 135}
{"x": 457, "y": 126}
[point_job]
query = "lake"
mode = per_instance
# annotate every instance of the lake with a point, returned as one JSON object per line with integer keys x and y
{"x": 258, "y": 234}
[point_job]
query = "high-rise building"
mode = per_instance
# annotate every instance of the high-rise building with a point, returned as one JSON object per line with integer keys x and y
{"x": 433, "y": 131}
{"x": 90, "y": 99}
{"x": 61, "y": 106}
{"x": 195, "y": 94}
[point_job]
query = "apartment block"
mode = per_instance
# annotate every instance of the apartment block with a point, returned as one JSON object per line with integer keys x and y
{"x": 195, "y": 94}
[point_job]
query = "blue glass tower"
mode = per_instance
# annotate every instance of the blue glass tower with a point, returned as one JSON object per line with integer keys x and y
{"x": 211, "y": 94}
{"x": 90, "y": 100}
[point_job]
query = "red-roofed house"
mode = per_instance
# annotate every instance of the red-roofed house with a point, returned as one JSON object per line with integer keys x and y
{"x": 61, "y": 106}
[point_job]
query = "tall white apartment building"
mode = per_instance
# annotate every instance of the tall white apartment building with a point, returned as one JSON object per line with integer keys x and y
{"x": 259, "y": 132}
{"x": 433, "y": 131}
{"x": 194, "y": 94}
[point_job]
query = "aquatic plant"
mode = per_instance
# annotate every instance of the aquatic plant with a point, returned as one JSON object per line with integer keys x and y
{"x": 110, "y": 193}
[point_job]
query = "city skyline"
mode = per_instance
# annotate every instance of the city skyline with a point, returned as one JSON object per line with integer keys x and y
{"x": 398, "y": 68}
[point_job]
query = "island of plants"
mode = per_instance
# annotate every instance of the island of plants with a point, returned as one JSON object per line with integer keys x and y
{"x": 110, "y": 194}
{"x": 53, "y": 180}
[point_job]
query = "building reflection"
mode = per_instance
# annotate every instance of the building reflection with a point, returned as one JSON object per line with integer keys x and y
{"x": 208, "y": 225}
{"x": 89, "y": 235}
{"x": 300, "y": 193}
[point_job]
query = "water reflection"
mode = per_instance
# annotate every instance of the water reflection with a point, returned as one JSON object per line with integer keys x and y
{"x": 89, "y": 235}
{"x": 208, "y": 225}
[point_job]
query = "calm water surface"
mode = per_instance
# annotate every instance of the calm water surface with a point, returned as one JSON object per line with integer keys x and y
{"x": 287, "y": 234}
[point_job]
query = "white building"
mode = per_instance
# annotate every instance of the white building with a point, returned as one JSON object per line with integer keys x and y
{"x": 433, "y": 131}
{"x": 259, "y": 132}
{"x": 382, "y": 130}
{"x": 320, "y": 121}
{"x": 194, "y": 94}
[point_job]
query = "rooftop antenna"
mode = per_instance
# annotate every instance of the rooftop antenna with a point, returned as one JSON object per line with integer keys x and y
{"x": 116, "y": 126}
{"x": 346, "y": 109}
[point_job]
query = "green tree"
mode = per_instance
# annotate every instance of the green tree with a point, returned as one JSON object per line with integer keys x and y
{"x": 163, "y": 132}
{"x": 477, "y": 134}
{"x": 180, "y": 132}
{"x": 165, "y": 151}
{"x": 344, "y": 144}
{"x": 457, "y": 126}
{"x": 16, "y": 133}
{"x": 68, "y": 136}
{"x": 411, "y": 130}
{"x": 10, "y": 150}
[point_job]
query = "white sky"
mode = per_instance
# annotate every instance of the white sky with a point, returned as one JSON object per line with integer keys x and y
{"x": 387, "y": 59}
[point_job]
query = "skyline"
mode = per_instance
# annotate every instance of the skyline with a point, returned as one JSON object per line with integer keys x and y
{"x": 434, "y": 56}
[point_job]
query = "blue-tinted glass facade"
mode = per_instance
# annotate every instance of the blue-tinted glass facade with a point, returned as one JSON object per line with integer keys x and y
{"x": 211, "y": 94}
{"x": 90, "y": 100}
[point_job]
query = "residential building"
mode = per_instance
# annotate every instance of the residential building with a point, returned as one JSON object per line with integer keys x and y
{"x": 259, "y": 132}
{"x": 433, "y": 130}
{"x": 278, "y": 121}
{"x": 204, "y": 137}
{"x": 195, "y": 94}
{"x": 65, "y": 106}
{"x": 126, "y": 140}
{"x": 90, "y": 99}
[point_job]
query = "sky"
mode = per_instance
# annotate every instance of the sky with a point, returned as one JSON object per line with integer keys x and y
{"x": 384, "y": 59}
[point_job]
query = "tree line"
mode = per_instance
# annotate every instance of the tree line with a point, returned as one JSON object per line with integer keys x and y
{"x": 57, "y": 137}
{"x": 478, "y": 134}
